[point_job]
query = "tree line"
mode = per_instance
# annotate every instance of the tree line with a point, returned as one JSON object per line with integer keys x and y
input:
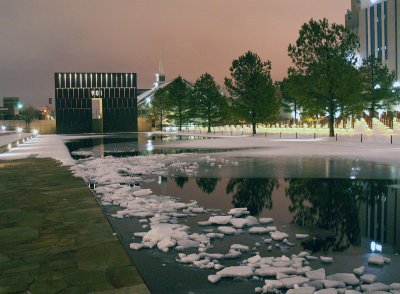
{"x": 326, "y": 81}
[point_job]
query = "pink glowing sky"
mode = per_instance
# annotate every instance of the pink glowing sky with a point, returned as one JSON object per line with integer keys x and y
{"x": 40, "y": 37}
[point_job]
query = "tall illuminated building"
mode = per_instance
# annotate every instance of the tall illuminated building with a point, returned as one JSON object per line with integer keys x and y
{"x": 376, "y": 22}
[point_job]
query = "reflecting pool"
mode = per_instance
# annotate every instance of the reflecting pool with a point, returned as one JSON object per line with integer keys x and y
{"x": 349, "y": 209}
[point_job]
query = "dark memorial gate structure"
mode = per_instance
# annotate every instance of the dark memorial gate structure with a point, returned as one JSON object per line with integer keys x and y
{"x": 95, "y": 102}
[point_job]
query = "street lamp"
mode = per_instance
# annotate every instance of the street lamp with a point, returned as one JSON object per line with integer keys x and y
{"x": 20, "y": 105}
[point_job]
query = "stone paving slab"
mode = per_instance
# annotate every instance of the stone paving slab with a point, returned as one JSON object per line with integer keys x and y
{"x": 54, "y": 237}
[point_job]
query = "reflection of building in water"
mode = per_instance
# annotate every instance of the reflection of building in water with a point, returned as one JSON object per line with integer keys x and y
{"x": 380, "y": 222}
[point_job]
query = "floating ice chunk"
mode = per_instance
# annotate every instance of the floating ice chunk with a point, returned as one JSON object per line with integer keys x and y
{"x": 226, "y": 230}
{"x": 395, "y": 286}
{"x": 139, "y": 234}
{"x": 301, "y": 290}
{"x": 272, "y": 271}
{"x": 280, "y": 276}
{"x": 252, "y": 220}
{"x": 303, "y": 254}
{"x": 159, "y": 232}
{"x": 326, "y": 259}
{"x": 165, "y": 244}
{"x": 302, "y": 270}
{"x": 302, "y": 236}
{"x": 349, "y": 279}
{"x": 239, "y": 222}
{"x": 278, "y": 236}
{"x": 269, "y": 248}
{"x": 266, "y": 220}
{"x": 215, "y": 235}
{"x": 283, "y": 264}
{"x": 236, "y": 271}
{"x": 220, "y": 219}
{"x": 205, "y": 223}
{"x": 318, "y": 274}
{"x": 352, "y": 292}
{"x": 254, "y": 259}
{"x": 288, "y": 243}
{"x": 143, "y": 214}
{"x": 136, "y": 246}
{"x": 333, "y": 284}
{"x": 272, "y": 228}
{"x": 369, "y": 279}
{"x": 214, "y": 278}
{"x": 258, "y": 230}
{"x": 238, "y": 211}
{"x": 179, "y": 235}
{"x": 143, "y": 192}
{"x": 271, "y": 285}
{"x": 232, "y": 254}
{"x": 327, "y": 291}
{"x": 211, "y": 255}
{"x": 190, "y": 258}
{"x": 185, "y": 244}
{"x": 267, "y": 241}
{"x": 376, "y": 259}
{"x": 290, "y": 282}
{"x": 198, "y": 210}
{"x": 359, "y": 270}
{"x": 375, "y": 287}
{"x": 240, "y": 247}
{"x": 143, "y": 220}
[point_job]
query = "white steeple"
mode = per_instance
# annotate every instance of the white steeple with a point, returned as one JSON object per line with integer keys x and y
{"x": 160, "y": 76}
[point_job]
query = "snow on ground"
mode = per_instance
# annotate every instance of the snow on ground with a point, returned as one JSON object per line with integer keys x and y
{"x": 264, "y": 147}
{"x": 42, "y": 146}
{"x": 7, "y": 138}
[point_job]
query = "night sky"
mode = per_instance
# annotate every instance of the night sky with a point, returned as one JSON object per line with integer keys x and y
{"x": 40, "y": 37}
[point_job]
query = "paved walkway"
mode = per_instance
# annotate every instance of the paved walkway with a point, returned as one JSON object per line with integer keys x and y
{"x": 54, "y": 237}
{"x": 8, "y": 138}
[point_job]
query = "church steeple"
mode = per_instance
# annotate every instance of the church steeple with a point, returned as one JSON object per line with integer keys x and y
{"x": 160, "y": 76}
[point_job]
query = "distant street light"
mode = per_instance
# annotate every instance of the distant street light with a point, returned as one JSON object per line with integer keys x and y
{"x": 20, "y": 105}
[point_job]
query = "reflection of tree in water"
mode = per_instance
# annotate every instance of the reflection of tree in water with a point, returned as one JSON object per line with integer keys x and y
{"x": 181, "y": 181}
{"x": 207, "y": 185}
{"x": 255, "y": 194}
{"x": 332, "y": 204}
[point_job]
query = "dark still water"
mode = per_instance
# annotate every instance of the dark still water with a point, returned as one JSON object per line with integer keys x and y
{"x": 127, "y": 144}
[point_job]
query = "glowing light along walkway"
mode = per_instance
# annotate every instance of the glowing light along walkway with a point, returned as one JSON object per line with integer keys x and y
{"x": 12, "y": 140}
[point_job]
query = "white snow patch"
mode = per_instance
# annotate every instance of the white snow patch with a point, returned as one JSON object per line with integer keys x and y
{"x": 236, "y": 271}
